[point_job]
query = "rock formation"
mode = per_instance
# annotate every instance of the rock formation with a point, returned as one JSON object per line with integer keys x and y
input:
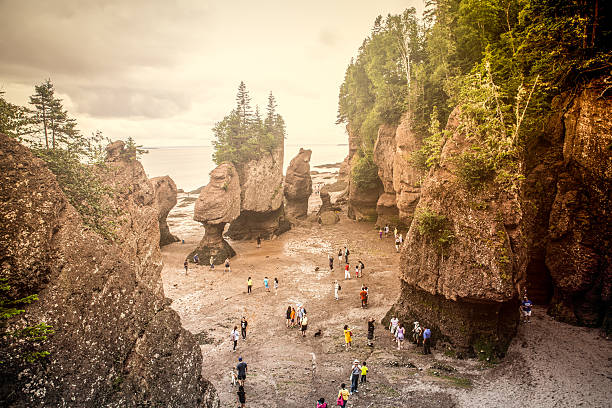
{"x": 298, "y": 185}
{"x": 261, "y": 198}
{"x": 116, "y": 341}
{"x": 165, "y": 198}
{"x": 217, "y": 205}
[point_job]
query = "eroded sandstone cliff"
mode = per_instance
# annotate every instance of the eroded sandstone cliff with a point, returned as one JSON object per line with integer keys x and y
{"x": 298, "y": 185}
{"x": 165, "y": 198}
{"x": 116, "y": 342}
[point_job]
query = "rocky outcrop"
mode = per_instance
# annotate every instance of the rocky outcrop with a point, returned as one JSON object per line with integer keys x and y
{"x": 462, "y": 257}
{"x": 218, "y": 204}
{"x": 261, "y": 207}
{"x": 165, "y": 198}
{"x": 116, "y": 341}
{"x": 384, "y": 151}
{"x": 298, "y": 185}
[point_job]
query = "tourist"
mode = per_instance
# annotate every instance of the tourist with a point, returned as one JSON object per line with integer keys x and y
{"x": 212, "y": 262}
{"x": 355, "y": 373}
{"x": 426, "y": 341}
{"x": 397, "y": 244}
{"x": 364, "y": 372}
{"x": 348, "y": 337}
{"x": 380, "y": 232}
{"x": 346, "y": 254}
{"x": 395, "y": 232}
{"x": 347, "y": 273}
{"x": 363, "y": 295}
{"x": 331, "y": 263}
{"x": 416, "y": 333}
{"x": 401, "y": 238}
{"x": 321, "y": 403}
{"x": 357, "y": 270}
{"x": 399, "y": 336}
{"x": 386, "y": 230}
{"x": 371, "y": 332}
{"x": 235, "y": 336}
{"x": 299, "y": 316}
{"x": 336, "y": 289}
{"x": 288, "y": 316}
{"x": 242, "y": 371}
{"x": 241, "y": 396}
{"x": 393, "y": 325}
{"x": 259, "y": 241}
{"x": 293, "y": 317}
{"x": 243, "y": 327}
{"x": 249, "y": 285}
{"x": 343, "y": 396}
{"x": 186, "y": 265}
{"x": 275, "y": 286}
{"x": 361, "y": 268}
{"x": 304, "y": 324}
{"x": 340, "y": 256}
{"x": 526, "y": 309}
{"x": 266, "y": 284}
{"x": 227, "y": 265}
{"x": 196, "y": 259}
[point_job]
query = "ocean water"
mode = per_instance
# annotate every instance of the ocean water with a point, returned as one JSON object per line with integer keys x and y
{"x": 189, "y": 167}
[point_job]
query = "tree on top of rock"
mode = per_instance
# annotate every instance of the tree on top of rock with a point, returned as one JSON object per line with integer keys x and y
{"x": 242, "y": 135}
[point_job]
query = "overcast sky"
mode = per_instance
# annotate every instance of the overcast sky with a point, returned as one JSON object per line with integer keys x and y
{"x": 165, "y": 71}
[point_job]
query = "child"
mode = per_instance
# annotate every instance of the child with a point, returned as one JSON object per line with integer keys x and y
{"x": 293, "y": 317}
{"x": 380, "y": 233}
{"x": 348, "y": 337}
{"x": 321, "y": 403}
{"x": 357, "y": 270}
{"x": 275, "y": 286}
{"x": 347, "y": 273}
{"x": 266, "y": 284}
{"x": 343, "y": 396}
{"x": 227, "y": 265}
{"x": 364, "y": 372}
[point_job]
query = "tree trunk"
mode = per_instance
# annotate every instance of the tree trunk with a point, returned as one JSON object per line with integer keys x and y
{"x": 44, "y": 111}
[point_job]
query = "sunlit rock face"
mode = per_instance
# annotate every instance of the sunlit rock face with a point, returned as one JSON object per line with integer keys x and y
{"x": 217, "y": 205}
{"x": 116, "y": 342}
{"x": 261, "y": 194}
{"x": 165, "y": 198}
{"x": 298, "y": 185}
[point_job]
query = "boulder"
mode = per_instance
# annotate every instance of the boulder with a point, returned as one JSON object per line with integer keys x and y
{"x": 116, "y": 342}
{"x": 298, "y": 185}
{"x": 165, "y": 198}
{"x": 328, "y": 217}
{"x": 217, "y": 205}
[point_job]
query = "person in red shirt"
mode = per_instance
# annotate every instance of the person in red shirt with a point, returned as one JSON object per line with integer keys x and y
{"x": 364, "y": 297}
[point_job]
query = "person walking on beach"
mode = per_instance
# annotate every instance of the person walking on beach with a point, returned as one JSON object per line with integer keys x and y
{"x": 299, "y": 316}
{"x": 186, "y": 266}
{"x": 288, "y": 316}
{"x": 363, "y": 295}
{"x": 347, "y": 273}
{"x": 227, "y": 265}
{"x": 242, "y": 371}
{"x": 386, "y": 230}
{"x": 361, "y": 268}
{"x": 364, "y": 372}
{"x": 346, "y": 254}
{"x": 211, "y": 261}
{"x": 304, "y": 324}
{"x": 393, "y": 325}
{"x": 340, "y": 256}
{"x": 343, "y": 396}
{"x": 266, "y": 284}
{"x": 336, "y": 290}
{"x": 357, "y": 270}
{"x": 371, "y": 332}
{"x": 399, "y": 336}
{"x": 348, "y": 337}
{"x": 397, "y": 244}
{"x": 331, "y": 263}
{"x": 243, "y": 327}
{"x": 196, "y": 259}
{"x": 426, "y": 341}
{"x": 241, "y": 396}
{"x": 235, "y": 336}
{"x": 292, "y": 317}
{"x": 275, "y": 286}
{"x": 249, "y": 285}
{"x": 401, "y": 238}
{"x": 395, "y": 232}
{"x": 526, "y": 310}
{"x": 416, "y": 333}
{"x": 380, "y": 232}
{"x": 259, "y": 241}
{"x": 355, "y": 373}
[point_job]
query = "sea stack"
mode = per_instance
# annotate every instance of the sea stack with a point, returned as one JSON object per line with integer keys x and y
{"x": 217, "y": 205}
{"x": 165, "y": 199}
{"x": 298, "y": 185}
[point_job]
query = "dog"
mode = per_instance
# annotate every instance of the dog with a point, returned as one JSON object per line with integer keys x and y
{"x": 318, "y": 333}
{"x": 317, "y": 269}
{"x": 234, "y": 378}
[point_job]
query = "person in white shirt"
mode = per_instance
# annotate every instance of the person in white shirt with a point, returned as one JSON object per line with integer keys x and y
{"x": 234, "y": 336}
{"x": 393, "y": 325}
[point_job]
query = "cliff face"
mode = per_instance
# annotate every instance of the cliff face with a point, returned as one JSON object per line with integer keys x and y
{"x": 298, "y": 185}
{"x": 261, "y": 207}
{"x": 116, "y": 341}
{"x": 165, "y": 198}
{"x": 551, "y": 238}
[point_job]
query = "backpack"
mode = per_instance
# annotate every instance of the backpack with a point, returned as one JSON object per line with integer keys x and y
{"x": 339, "y": 287}
{"x": 362, "y": 266}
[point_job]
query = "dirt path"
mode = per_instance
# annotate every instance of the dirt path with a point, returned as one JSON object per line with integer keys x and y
{"x": 286, "y": 370}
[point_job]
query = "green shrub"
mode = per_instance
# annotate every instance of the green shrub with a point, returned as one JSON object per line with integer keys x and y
{"x": 435, "y": 227}
{"x": 474, "y": 168}
{"x": 365, "y": 173}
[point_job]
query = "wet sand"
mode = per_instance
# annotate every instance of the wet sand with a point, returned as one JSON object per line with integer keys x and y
{"x": 546, "y": 365}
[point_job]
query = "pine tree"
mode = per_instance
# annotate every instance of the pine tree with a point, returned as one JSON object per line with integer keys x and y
{"x": 243, "y": 105}
{"x": 42, "y": 100}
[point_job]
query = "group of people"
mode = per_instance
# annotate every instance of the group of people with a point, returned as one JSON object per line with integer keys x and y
{"x": 235, "y": 336}
{"x": 399, "y": 238}
{"x": 420, "y": 335}
{"x": 266, "y": 283}
{"x": 297, "y": 318}
{"x": 359, "y": 373}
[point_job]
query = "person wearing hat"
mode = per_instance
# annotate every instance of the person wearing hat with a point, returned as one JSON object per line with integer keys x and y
{"x": 355, "y": 372}
{"x": 242, "y": 370}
